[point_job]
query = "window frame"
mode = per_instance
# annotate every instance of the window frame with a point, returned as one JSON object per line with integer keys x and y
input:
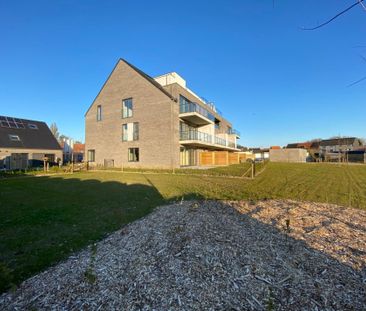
{"x": 136, "y": 131}
{"x": 99, "y": 113}
{"x": 32, "y": 126}
{"x": 11, "y": 136}
{"x": 127, "y": 108}
{"x": 135, "y": 156}
{"x": 91, "y": 151}
{"x": 124, "y": 132}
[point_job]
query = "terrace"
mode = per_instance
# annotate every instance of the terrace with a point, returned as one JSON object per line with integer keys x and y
{"x": 194, "y": 137}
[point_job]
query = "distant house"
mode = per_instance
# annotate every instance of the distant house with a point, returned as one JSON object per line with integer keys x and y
{"x": 339, "y": 144}
{"x": 260, "y": 153}
{"x": 72, "y": 151}
{"x": 306, "y": 145}
{"x": 79, "y": 152}
{"x": 26, "y": 143}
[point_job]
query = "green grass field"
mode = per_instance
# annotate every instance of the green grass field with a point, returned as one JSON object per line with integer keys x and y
{"x": 44, "y": 219}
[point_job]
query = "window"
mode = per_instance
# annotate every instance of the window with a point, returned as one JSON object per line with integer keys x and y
{"x": 130, "y": 131}
{"x": 127, "y": 108}
{"x": 14, "y": 138}
{"x": 33, "y": 126}
{"x": 124, "y": 132}
{"x": 91, "y": 155}
{"x": 99, "y": 113}
{"x": 135, "y": 131}
{"x": 133, "y": 155}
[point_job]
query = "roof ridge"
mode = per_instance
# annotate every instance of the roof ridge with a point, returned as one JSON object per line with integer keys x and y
{"x": 150, "y": 79}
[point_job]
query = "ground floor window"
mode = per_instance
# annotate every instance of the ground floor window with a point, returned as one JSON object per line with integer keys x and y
{"x": 91, "y": 155}
{"x": 188, "y": 157}
{"x": 133, "y": 155}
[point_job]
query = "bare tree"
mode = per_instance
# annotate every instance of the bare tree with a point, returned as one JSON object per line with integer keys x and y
{"x": 358, "y": 2}
{"x": 54, "y": 130}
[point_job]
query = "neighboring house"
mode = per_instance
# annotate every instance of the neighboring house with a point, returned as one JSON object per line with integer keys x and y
{"x": 306, "y": 145}
{"x": 26, "y": 143}
{"x": 339, "y": 145}
{"x": 140, "y": 121}
{"x": 72, "y": 151}
{"x": 79, "y": 152}
{"x": 311, "y": 147}
{"x": 66, "y": 145}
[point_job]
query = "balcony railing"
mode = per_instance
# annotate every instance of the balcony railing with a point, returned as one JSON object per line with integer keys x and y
{"x": 193, "y": 107}
{"x": 196, "y": 135}
{"x": 233, "y": 131}
{"x": 205, "y": 138}
{"x": 220, "y": 141}
{"x": 231, "y": 144}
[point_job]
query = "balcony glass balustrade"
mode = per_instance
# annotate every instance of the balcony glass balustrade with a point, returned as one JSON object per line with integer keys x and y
{"x": 186, "y": 107}
{"x": 220, "y": 141}
{"x": 233, "y": 131}
{"x": 196, "y": 135}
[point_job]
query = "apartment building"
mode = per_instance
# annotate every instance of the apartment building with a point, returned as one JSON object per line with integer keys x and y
{"x": 140, "y": 121}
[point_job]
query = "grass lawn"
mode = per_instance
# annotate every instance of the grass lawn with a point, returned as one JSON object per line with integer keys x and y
{"x": 45, "y": 219}
{"x": 235, "y": 170}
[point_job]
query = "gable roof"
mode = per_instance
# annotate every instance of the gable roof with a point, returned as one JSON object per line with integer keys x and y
{"x": 339, "y": 141}
{"x": 141, "y": 73}
{"x": 32, "y": 134}
{"x": 150, "y": 79}
{"x": 305, "y": 145}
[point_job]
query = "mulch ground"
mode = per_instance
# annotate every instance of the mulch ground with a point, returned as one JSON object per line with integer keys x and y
{"x": 212, "y": 255}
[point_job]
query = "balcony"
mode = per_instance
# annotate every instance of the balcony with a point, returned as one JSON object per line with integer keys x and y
{"x": 204, "y": 140}
{"x": 220, "y": 141}
{"x": 196, "y": 114}
{"x": 193, "y": 135}
{"x": 234, "y": 132}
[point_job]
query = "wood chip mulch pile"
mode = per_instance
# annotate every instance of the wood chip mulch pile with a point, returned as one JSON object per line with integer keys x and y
{"x": 212, "y": 255}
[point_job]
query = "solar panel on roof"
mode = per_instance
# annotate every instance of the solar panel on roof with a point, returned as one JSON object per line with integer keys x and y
{"x": 12, "y": 124}
{"x": 4, "y": 124}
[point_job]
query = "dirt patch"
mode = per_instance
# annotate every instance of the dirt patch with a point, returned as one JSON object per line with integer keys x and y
{"x": 270, "y": 255}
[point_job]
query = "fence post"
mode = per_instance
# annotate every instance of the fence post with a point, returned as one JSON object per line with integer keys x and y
{"x": 253, "y": 169}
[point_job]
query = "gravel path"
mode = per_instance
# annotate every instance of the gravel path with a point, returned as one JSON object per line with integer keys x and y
{"x": 270, "y": 255}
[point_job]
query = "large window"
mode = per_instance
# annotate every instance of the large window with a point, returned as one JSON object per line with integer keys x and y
{"x": 99, "y": 113}
{"x": 133, "y": 155}
{"x": 127, "y": 108}
{"x": 91, "y": 155}
{"x": 130, "y": 131}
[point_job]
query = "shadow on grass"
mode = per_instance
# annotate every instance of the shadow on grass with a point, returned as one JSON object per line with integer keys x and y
{"x": 45, "y": 219}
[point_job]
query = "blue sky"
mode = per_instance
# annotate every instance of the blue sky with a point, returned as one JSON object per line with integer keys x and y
{"x": 274, "y": 81}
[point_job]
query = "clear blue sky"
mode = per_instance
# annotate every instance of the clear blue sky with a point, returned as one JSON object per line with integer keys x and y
{"x": 274, "y": 81}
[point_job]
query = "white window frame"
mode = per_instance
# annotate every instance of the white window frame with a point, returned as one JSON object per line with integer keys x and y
{"x": 14, "y": 137}
{"x": 127, "y": 108}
